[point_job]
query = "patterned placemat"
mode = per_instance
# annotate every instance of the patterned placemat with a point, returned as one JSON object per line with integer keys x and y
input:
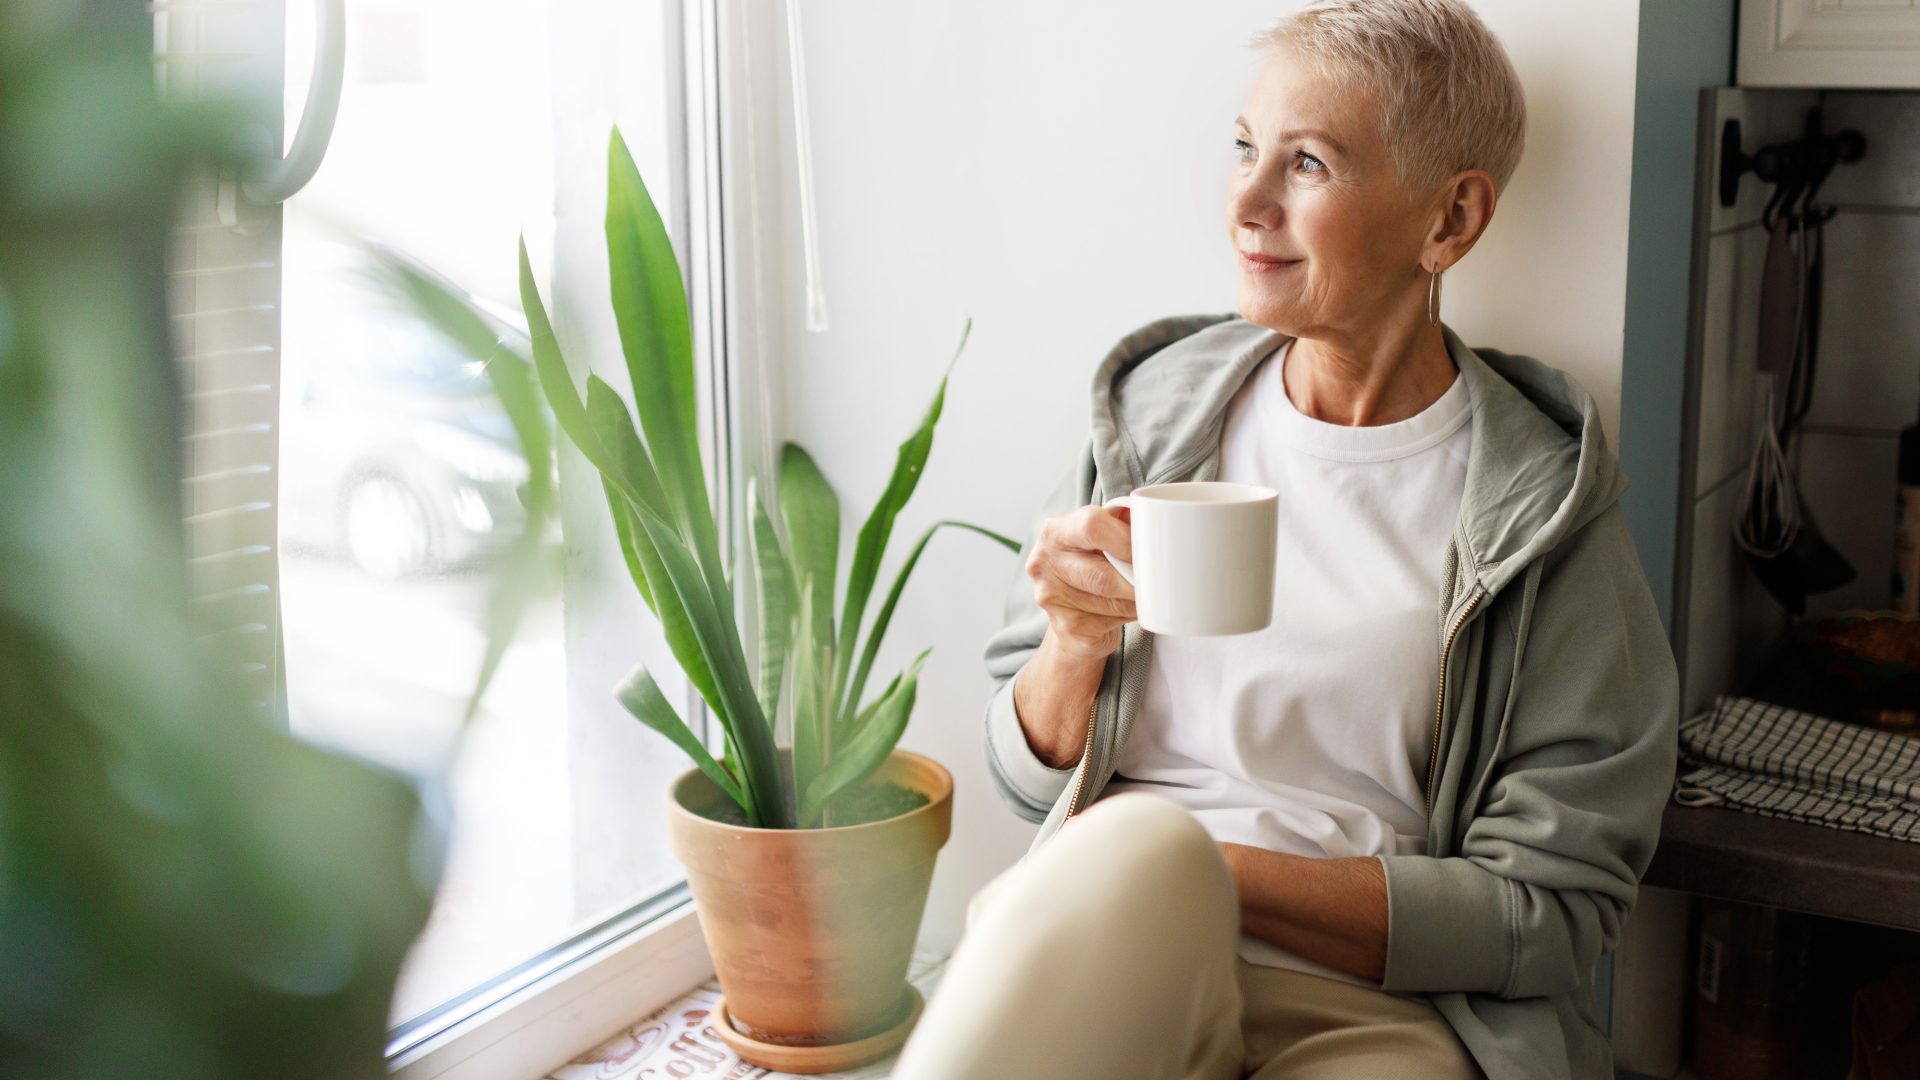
{"x": 679, "y": 1040}
{"x": 1767, "y": 759}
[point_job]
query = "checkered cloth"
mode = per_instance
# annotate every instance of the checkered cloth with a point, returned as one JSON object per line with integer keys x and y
{"x": 1766, "y": 759}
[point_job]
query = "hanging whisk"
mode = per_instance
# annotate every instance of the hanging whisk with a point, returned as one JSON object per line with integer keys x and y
{"x": 1769, "y": 518}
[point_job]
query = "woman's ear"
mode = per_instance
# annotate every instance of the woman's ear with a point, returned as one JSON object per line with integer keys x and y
{"x": 1463, "y": 211}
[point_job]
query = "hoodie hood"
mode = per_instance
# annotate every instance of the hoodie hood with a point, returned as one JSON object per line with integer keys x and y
{"x": 1538, "y": 469}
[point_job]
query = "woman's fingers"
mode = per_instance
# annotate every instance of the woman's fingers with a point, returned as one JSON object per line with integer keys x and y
{"x": 1073, "y": 578}
{"x": 1075, "y": 582}
{"x": 1086, "y": 599}
{"x": 1094, "y": 528}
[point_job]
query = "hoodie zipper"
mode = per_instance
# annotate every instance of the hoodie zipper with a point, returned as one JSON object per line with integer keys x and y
{"x": 1086, "y": 758}
{"x": 1440, "y": 702}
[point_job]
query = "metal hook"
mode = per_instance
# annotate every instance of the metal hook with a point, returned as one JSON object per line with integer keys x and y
{"x": 1797, "y": 168}
{"x": 1785, "y": 193}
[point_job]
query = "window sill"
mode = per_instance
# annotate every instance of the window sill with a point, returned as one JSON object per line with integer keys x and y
{"x": 679, "y": 1039}
{"x": 544, "y": 1024}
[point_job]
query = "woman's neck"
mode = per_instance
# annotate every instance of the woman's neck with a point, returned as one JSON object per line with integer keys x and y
{"x": 1367, "y": 383}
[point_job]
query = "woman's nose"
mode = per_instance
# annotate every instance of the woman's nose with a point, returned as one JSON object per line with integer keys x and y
{"x": 1252, "y": 206}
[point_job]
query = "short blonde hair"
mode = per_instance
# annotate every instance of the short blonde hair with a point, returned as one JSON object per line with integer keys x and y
{"x": 1449, "y": 98}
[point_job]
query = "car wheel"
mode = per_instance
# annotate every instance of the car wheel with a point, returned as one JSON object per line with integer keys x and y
{"x": 388, "y": 531}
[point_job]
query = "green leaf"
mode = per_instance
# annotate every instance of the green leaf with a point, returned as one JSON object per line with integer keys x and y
{"x": 503, "y": 353}
{"x": 778, "y": 600}
{"x": 675, "y": 623}
{"x": 627, "y": 462}
{"x": 908, "y": 464}
{"x": 730, "y": 763}
{"x": 893, "y": 598}
{"x": 650, "y": 308}
{"x": 555, "y": 381}
{"x": 642, "y": 697}
{"x": 613, "y": 430}
{"x": 524, "y": 574}
{"x": 866, "y": 714}
{"x": 813, "y": 526}
{"x": 868, "y": 749}
{"x": 810, "y": 695}
{"x": 713, "y": 630}
{"x": 628, "y": 532}
{"x": 601, "y": 427}
{"x": 686, "y": 582}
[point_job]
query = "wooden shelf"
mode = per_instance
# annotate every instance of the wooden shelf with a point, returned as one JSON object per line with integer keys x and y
{"x": 1751, "y": 858}
{"x": 1754, "y": 859}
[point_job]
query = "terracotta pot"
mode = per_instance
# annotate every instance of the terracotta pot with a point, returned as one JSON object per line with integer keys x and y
{"x": 811, "y": 930}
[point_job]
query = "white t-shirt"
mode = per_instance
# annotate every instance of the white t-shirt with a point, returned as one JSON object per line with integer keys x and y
{"x": 1311, "y": 736}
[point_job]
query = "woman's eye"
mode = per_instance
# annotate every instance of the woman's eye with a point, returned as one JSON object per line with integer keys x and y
{"x": 1246, "y": 156}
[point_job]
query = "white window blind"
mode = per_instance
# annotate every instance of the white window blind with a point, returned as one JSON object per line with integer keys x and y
{"x": 223, "y": 291}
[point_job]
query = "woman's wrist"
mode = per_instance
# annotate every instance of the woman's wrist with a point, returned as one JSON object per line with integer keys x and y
{"x": 1051, "y": 699}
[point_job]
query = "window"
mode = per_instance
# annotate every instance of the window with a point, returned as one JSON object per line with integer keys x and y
{"x": 354, "y": 478}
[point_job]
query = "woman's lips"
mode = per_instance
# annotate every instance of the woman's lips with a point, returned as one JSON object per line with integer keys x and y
{"x": 1262, "y": 265}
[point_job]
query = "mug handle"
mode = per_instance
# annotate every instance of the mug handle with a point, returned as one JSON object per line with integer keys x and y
{"x": 1125, "y": 568}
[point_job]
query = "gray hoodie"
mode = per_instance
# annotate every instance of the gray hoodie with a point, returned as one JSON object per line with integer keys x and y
{"x": 1556, "y": 729}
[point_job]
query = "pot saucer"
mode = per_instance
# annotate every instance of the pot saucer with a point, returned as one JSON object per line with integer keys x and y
{"x": 818, "y": 1059}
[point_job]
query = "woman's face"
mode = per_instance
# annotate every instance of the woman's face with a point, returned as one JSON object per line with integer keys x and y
{"x": 1313, "y": 186}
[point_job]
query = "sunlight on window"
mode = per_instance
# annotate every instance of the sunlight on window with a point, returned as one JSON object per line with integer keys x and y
{"x": 399, "y": 471}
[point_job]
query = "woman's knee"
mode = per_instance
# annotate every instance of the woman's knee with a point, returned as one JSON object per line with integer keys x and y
{"x": 1150, "y": 828}
{"x": 1149, "y": 850}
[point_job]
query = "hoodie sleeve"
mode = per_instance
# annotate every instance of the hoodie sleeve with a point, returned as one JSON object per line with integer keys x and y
{"x": 1567, "y": 823}
{"x": 1028, "y": 785}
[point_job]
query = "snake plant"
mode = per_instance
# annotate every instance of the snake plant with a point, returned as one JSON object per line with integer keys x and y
{"x": 656, "y": 492}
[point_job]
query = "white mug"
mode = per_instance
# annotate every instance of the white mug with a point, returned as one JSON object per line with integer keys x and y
{"x": 1203, "y": 556}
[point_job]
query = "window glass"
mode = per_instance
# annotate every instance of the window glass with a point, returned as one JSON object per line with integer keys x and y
{"x": 457, "y": 132}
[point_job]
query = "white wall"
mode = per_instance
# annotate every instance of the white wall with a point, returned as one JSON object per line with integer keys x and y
{"x": 1058, "y": 170}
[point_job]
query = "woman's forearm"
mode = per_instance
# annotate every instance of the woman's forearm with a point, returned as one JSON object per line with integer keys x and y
{"x": 1051, "y": 699}
{"x": 1331, "y": 911}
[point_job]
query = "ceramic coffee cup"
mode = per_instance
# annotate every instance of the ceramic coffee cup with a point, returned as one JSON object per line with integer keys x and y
{"x": 1203, "y": 556}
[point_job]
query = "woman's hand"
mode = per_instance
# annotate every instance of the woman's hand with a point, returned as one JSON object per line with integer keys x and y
{"x": 1087, "y": 603}
{"x": 1086, "y": 600}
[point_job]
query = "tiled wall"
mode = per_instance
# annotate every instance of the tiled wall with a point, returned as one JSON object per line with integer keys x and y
{"x": 1867, "y": 382}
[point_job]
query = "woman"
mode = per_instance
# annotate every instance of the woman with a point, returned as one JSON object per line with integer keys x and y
{"x": 1385, "y": 836}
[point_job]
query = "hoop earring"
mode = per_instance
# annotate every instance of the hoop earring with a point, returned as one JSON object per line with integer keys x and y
{"x": 1433, "y": 298}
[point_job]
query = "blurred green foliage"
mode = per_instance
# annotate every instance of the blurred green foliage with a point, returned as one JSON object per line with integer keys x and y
{"x": 185, "y": 890}
{"x": 531, "y": 566}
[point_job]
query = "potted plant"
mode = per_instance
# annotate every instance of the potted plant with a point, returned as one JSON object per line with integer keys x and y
{"x": 809, "y": 861}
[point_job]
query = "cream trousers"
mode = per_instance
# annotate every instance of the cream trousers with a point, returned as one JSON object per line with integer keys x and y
{"x": 1112, "y": 953}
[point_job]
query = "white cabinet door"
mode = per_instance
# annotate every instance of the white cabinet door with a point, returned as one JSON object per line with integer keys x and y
{"x": 1830, "y": 43}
